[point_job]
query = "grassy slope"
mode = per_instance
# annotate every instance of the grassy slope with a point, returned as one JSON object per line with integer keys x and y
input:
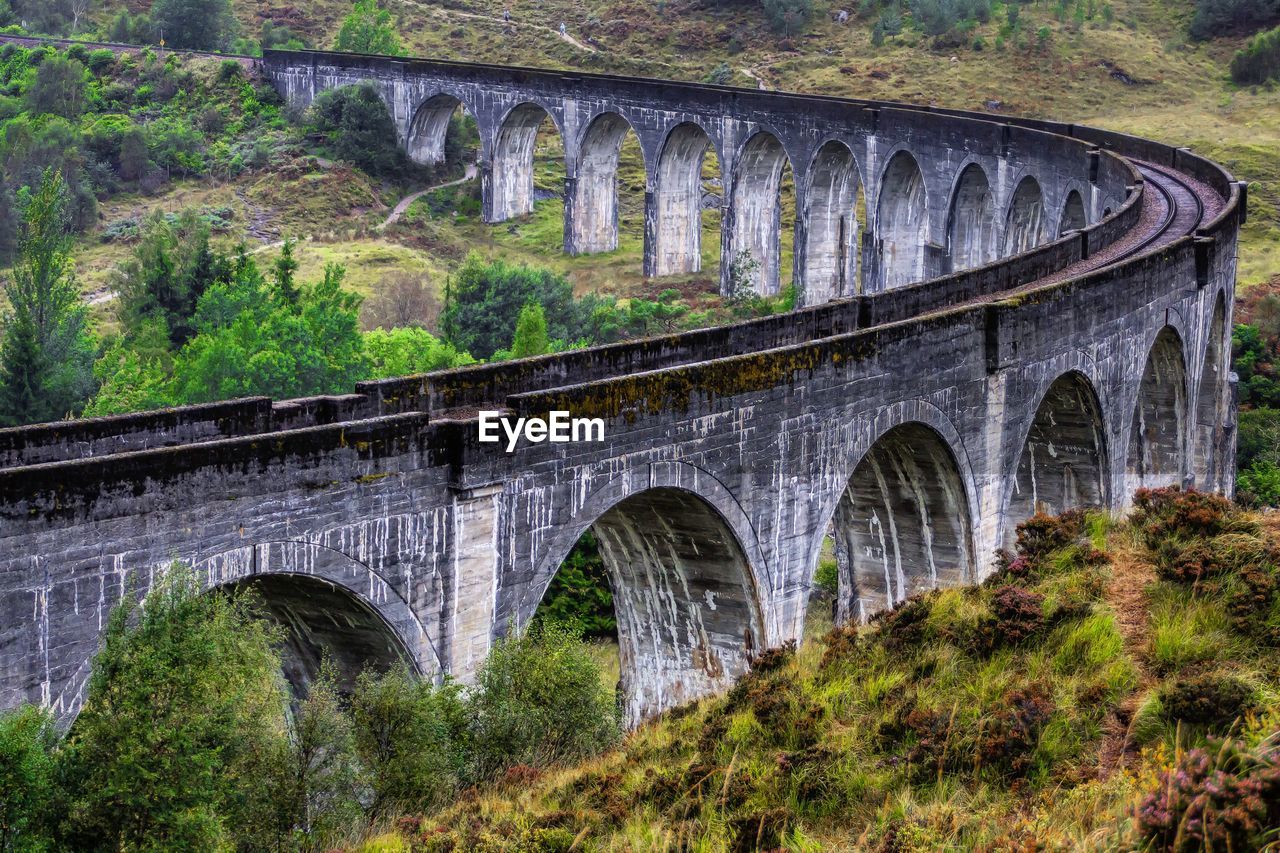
{"x": 1179, "y": 93}
{"x": 1037, "y": 707}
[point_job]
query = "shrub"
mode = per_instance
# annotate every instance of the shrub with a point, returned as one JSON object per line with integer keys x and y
{"x": 183, "y": 700}
{"x": 27, "y": 773}
{"x": 357, "y": 127}
{"x": 1019, "y": 614}
{"x": 1223, "y": 17}
{"x": 1188, "y": 564}
{"x": 1165, "y": 513}
{"x": 1041, "y": 534}
{"x": 100, "y": 60}
{"x": 410, "y": 737}
{"x": 904, "y": 626}
{"x": 1259, "y": 484}
{"x": 1008, "y": 743}
{"x": 1251, "y": 603}
{"x": 1259, "y": 60}
{"x": 538, "y": 699}
{"x": 1213, "y": 701}
{"x": 1225, "y": 796}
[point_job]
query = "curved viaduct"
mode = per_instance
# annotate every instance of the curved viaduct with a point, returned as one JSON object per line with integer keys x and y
{"x": 1033, "y": 316}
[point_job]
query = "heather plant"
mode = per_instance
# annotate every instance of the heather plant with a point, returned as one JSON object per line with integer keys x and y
{"x": 1222, "y": 796}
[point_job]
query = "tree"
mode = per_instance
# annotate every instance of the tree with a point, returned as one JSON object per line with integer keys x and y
{"x": 170, "y": 270}
{"x": 788, "y": 17}
{"x": 283, "y": 272}
{"x": 312, "y": 783}
{"x": 46, "y": 359}
{"x": 194, "y": 24}
{"x": 368, "y": 29}
{"x": 531, "y": 332}
{"x": 130, "y": 380}
{"x": 404, "y": 351}
{"x": 184, "y": 699}
{"x": 134, "y": 156}
{"x": 357, "y": 127}
{"x": 410, "y": 736}
{"x": 485, "y": 301}
{"x": 538, "y": 699}
{"x": 251, "y": 341}
{"x": 579, "y": 596}
{"x": 52, "y": 17}
{"x": 402, "y": 299}
{"x": 59, "y": 88}
{"x": 27, "y": 770}
{"x": 1259, "y": 60}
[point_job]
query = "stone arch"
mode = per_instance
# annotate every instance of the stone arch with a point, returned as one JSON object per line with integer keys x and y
{"x": 1156, "y": 455}
{"x": 429, "y": 127}
{"x": 685, "y": 598}
{"x": 324, "y": 621}
{"x": 595, "y": 188}
{"x": 1063, "y": 462}
{"x": 512, "y": 157}
{"x": 1073, "y": 214}
{"x": 1210, "y": 401}
{"x": 972, "y": 232}
{"x": 756, "y": 210}
{"x": 1025, "y": 224}
{"x": 903, "y": 522}
{"x": 831, "y": 224}
{"x": 678, "y": 200}
{"x": 901, "y": 225}
{"x": 329, "y": 603}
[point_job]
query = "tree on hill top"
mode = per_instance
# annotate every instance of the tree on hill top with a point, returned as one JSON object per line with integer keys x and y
{"x": 368, "y": 29}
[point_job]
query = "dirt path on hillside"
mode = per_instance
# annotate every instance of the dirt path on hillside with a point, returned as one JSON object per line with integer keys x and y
{"x": 514, "y": 22}
{"x": 754, "y": 76}
{"x": 1131, "y": 574}
{"x": 469, "y": 174}
{"x": 259, "y": 227}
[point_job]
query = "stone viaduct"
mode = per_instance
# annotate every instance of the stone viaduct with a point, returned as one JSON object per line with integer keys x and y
{"x": 1033, "y": 316}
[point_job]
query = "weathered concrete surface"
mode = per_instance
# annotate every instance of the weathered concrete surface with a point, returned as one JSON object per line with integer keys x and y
{"x": 907, "y": 161}
{"x": 922, "y": 420}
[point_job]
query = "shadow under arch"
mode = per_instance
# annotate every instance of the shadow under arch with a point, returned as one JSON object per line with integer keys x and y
{"x": 595, "y": 190}
{"x": 1025, "y": 223}
{"x": 901, "y": 225}
{"x": 1157, "y": 446}
{"x": 330, "y": 604}
{"x": 1073, "y": 216}
{"x": 903, "y": 523}
{"x": 1063, "y": 463}
{"x": 831, "y": 224}
{"x": 323, "y": 621}
{"x": 972, "y": 232}
{"x": 429, "y": 129}
{"x": 512, "y": 159}
{"x": 756, "y": 208}
{"x": 685, "y": 596}
{"x": 1210, "y": 424}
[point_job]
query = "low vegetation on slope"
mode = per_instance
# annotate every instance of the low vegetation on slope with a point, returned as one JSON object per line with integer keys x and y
{"x": 1112, "y": 686}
